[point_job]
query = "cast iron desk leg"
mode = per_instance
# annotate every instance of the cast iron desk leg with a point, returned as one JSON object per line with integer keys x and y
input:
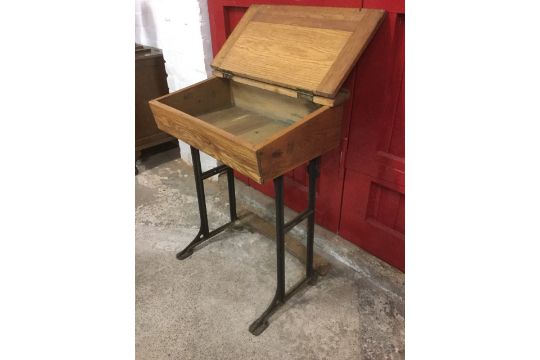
{"x": 204, "y": 232}
{"x": 259, "y": 325}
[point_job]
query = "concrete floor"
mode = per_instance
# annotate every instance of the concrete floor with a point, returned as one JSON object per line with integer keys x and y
{"x": 200, "y": 308}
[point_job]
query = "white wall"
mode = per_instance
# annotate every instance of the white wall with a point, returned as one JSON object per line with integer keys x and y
{"x": 182, "y": 30}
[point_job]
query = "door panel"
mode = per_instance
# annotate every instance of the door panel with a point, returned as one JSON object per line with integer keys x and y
{"x": 373, "y": 217}
{"x": 373, "y": 213}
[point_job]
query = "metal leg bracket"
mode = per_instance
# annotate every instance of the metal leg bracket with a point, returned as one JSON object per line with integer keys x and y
{"x": 204, "y": 232}
{"x": 259, "y": 325}
{"x": 280, "y": 297}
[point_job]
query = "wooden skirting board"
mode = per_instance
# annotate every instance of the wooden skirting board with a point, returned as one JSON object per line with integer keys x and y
{"x": 254, "y": 223}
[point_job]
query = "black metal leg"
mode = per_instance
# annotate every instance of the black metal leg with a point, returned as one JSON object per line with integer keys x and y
{"x": 280, "y": 297}
{"x": 232, "y": 195}
{"x": 313, "y": 169}
{"x": 199, "y": 185}
{"x": 204, "y": 231}
{"x": 280, "y": 240}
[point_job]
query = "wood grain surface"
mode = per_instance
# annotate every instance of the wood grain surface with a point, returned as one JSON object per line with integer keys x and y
{"x": 316, "y": 134}
{"x": 272, "y": 105}
{"x": 285, "y": 54}
{"x": 298, "y": 47}
{"x": 260, "y": 133}
{"x": 218, "y": 143}
{"x": 246, "y": 125}
{"x": 340, "y": 98}
{"x": 201, "y": 97}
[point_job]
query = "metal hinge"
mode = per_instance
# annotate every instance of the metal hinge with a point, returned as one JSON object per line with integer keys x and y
{"x": 304, "y": 94}
{"x": 226, "y": 74}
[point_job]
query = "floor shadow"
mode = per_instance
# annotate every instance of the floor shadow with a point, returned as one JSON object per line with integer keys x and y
{"x": 159, "y": 154}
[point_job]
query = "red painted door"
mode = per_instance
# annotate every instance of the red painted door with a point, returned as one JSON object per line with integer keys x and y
{"x": 361, "y": 191}
{"x": 373, "y": 208}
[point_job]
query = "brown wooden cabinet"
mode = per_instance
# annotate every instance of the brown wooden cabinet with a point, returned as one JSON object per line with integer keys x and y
{"x": 150, "y": 82}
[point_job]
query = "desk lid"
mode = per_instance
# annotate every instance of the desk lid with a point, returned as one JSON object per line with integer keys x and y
{"x": 305, "y": 48}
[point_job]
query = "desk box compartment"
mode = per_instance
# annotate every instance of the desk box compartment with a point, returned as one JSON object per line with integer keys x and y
{"x": 257, "y": 132}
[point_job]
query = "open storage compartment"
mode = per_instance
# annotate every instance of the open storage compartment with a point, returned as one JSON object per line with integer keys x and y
{"x": 257, "y": 132}
{"x": 249, "y": 113}
{"x": 274, "y": 102}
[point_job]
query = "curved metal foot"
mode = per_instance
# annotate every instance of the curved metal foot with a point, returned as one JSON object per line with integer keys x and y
{"x": 201, "y": 237}
{"x": 184, "y": 254}
{"x": 258, "y": 327}
{"x": 188, "y": 250}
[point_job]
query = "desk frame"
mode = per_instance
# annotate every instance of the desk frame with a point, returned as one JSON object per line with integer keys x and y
{"x": 281, "y": 296}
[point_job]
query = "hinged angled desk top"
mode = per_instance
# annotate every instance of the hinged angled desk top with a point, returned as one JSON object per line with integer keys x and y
{"x": 306, "y": 48}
